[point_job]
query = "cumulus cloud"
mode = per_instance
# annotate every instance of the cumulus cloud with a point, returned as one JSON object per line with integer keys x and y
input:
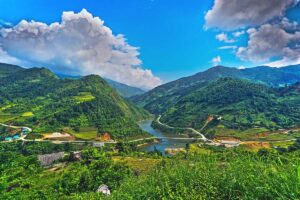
{"x": 270, "y": 42}
{"x": 286, "y": 24}
{"x": 227, "y": 47}
{"x": 283, "y": 62}
{"x": 238, "y": 33}
{"x": 223, "y": 37}
{"x": 79, "y": 44}
{"x": 235, "y": 14}
{"x": 216, "y": 60}
{"x": 5, "y": 24}
{"x": 5, "y": 58}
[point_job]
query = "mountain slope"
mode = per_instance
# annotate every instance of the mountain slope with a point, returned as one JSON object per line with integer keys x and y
{"x": 161, "y": 98}
{"x": 125, "y": 90}
{"x": 37, "y": 97}
{"x": 241, "y": 104}
{"x": 7, "y": 69}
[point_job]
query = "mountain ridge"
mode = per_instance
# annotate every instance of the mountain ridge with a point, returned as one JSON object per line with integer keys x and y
{"x": 159, "y": 98}
{"x": 36, "y": 97}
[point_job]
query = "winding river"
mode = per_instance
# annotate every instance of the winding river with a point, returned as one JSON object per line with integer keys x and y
{"x": 164, "y": 143}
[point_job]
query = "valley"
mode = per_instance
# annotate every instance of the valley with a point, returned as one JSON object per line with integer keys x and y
{"x": 92, "y": 135}
{"x": 150, "y": 100}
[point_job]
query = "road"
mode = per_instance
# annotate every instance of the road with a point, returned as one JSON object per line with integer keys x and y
{"x": 9, "y": 126}
{"x": 191, "y": 129}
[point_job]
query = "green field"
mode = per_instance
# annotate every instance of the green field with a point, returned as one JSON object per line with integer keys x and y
{"x": 88, "y": 133}
{"x": 84, "y": 97}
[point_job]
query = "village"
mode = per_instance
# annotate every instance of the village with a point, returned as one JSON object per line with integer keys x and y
{"x": 13, "y": 133}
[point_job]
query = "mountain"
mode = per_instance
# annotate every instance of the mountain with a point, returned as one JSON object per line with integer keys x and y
{"x": 38, "y": 98}
{"x": 239, "y": 103}
{"x": 163, "y": 97}
{"x": 7, "y": 69}
{"x": 125, "y": 90}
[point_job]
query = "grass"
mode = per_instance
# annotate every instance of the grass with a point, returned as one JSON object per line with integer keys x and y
{"x": 4, "y": 117}
{"x": 88, "y": 133}
{"x": 254, "y": 134}
{"x": 196, "y": 149}
{"x": 281, "y": 144}
{"x": 7, "y": 106}
{"x": 83, "y": 97}
{"x": 254, "y": 146}
{"x": 230, "y": 174}
{"x": 142, "y": 165}
{"x": 27, "y": 114}
{"x": 247, "y": 134}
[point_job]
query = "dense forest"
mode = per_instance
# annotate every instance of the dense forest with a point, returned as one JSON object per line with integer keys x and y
{"x": 202, "y": 172}
{"x": 38, "y": 98}
{"x": 232, "y": 102}
{"x": 238, "y": 104}
{"x": 164, "y": 96}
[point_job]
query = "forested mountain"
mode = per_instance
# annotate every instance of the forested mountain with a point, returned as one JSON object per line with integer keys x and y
{"x": 125, "y": 90}
{"x": 239, "y": 104}
{"x": 161, "y": 98}
{"x": 36, "y": 97}
{"x": 7, "y": 69}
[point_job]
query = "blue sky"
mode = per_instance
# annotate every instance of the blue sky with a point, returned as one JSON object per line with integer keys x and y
{"x": 171, "y": 35}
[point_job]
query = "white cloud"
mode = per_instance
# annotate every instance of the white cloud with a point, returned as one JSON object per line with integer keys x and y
{"x": 235, "y": 14}
{"x": 283, "y": 62}
{"x": 227, "y": 47}
{"x": 216, "y": 60}
{"x": 238, "y": 33}
{"x": 270, "y": 42}
{"x": 79, "y": 44}
{"x": 289, "y": 25}
{"x": 5, "y": 24}
{"x": 223, "y": 37}
{"x": 5, "y": 58}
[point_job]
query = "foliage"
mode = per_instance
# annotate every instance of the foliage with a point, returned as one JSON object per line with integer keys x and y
{"x": 228, "y": 175}
{"x": 202, "y": 173}
{"x": 37, "y": 98}
{"x": 234, "y": 104}
{"x": 165, "y": 96}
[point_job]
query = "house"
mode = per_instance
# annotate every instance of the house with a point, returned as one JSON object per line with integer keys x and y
{"x": 103, "y": 189}
{"x": 8, "y": 139}
{"x": 98, "y": 144}
{"x": 16, "y": 137}
{"x": 26, "y": 130}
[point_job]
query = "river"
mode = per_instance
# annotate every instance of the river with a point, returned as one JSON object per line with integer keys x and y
{"x": 162, "y": 145}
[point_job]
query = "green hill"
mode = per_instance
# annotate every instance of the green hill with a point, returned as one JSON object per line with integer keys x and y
{"x": 38, "y": 98}
{"x": 7, "y": 69}
{"x": 161, "y": 98}
{"x": 238, "y": 104}
{"x": 123, "y": 89}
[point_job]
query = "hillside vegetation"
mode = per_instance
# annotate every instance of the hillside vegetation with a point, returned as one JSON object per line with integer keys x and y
{"x": 55, "y": 103}
{"x": 200, "y": 173}
{"x": 161, "y": 98}
{"x": 238, "y": 104}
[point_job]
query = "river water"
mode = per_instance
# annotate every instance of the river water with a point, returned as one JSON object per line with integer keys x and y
{"x": 162, "y": 145}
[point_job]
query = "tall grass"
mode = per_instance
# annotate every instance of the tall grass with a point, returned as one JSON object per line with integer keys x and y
{"x": 226, "y": 175}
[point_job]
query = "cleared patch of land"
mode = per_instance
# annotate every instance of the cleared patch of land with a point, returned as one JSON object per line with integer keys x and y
{"x": 142, "y": 165}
